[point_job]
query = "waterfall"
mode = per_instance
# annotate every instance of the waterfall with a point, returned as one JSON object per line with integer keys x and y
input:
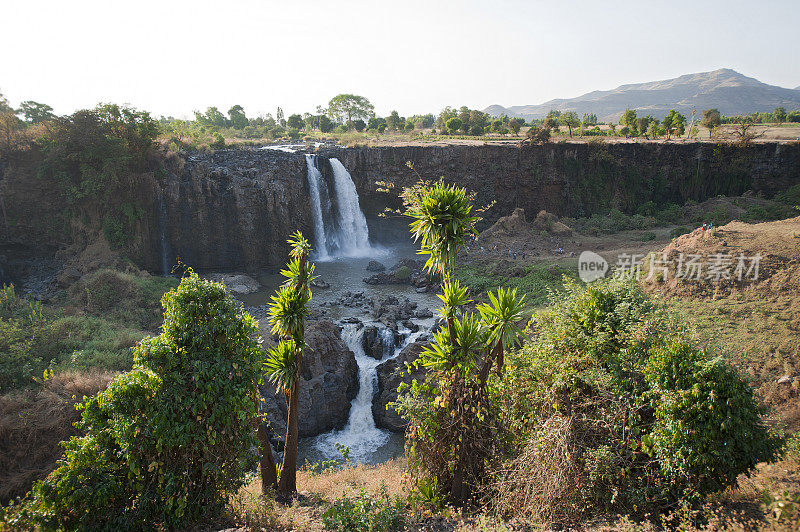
{"x": 353, "y": 232}
{"x": 340, "y": 228}
{"x": 314, "y": 181}
{"x": 360, "y": 434}
{"x": 162, "y": 229}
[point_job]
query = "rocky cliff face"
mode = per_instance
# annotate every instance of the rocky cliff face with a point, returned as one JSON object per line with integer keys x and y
{"x": 329, "y": 382}
{"x": 232, "y": 210}
{"x": 575, "y": 179}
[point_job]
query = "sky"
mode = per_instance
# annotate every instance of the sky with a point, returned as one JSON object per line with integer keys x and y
{"x": 172, "y": 57}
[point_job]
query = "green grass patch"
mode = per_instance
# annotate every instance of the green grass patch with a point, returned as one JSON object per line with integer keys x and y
{"x": 535, "y": 280}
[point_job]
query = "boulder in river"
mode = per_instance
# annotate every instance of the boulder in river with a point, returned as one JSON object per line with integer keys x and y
{"x": 375, "y": 266}
{"x": 390, "y": 374}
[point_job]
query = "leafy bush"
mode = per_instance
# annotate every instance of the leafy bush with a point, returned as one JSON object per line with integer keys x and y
{"x": 719, "y": 216}
{"x": 793, "y": 446}
{"x": 168, "y": 442}
{"x": 707, "y": 428}
{"x": 610, "y": 409}
{"x": 647, "y": 236}
{"x": 365, "y": 514}
{"x": 790, "y": 196}
{"x": 755, "y": 212}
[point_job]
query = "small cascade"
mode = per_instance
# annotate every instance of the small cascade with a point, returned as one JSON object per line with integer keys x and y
{"x": 387, "y": 342}
{"x": 360, "y": 434}
{"x": 162, "y": 229}
{"x": 340, "y": 227}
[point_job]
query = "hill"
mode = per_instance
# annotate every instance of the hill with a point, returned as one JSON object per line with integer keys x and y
{"x": 725, "y": 89}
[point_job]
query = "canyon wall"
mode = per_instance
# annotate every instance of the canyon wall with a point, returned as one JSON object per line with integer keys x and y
{"x": 575, "y": 179}
{"x": 233, "y": 209}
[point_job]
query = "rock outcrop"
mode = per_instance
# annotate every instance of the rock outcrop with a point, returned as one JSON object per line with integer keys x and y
{"x": 328, "y": 383}
{"x": 390, "y": 374}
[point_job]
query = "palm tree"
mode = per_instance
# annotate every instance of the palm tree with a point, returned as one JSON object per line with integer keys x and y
{"x": 287, "y": 315}
{"x": 442, "y": 219}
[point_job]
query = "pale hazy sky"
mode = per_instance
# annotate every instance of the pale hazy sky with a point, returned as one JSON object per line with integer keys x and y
{"x": 171, "y": 57}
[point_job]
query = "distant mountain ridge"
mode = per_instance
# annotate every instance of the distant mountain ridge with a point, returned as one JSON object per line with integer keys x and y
{"x": 725, "y": 89}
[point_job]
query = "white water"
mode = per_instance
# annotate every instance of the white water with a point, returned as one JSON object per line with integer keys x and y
{"x": 353, "y": 237}
{"x": 314, "y": 180}
{"x": 360, "y": 434}
{"x": 340, "y": 228}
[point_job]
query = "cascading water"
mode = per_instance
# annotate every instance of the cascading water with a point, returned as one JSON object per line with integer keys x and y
{"x": 314, "y": 181}
{"x": 353, "y": 237}
{"x": 340, "y": 228}
{"x": 360, "y": 434}
{"x": 162, "y": 229}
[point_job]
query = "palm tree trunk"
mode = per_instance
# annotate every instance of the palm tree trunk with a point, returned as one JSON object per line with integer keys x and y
{"x": 495, "y": 354}
{"x": 288, "y": 481}
{"x": 269, "y": 477}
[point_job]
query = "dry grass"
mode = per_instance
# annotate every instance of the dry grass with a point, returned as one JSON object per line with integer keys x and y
{"x": 34, "y": 422}
{"x": 316, "y": 493}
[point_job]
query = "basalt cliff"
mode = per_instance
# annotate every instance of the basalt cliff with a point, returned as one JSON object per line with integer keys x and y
{"x": 232, "y": 210}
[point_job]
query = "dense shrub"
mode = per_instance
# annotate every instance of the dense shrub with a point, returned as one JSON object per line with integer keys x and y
{"x": 610, "y": 409}
{"x": 707, "y": 428}
{"x": 167, "y": 442}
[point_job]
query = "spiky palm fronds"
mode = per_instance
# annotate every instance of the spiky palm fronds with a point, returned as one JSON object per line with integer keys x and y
{"x": 300, "y": 246}
{"x": 460, "y": 351}
{"x": 288, "y": 310}
{"x": 442, "y": 220}
{"x": 453, "y": 297}
{"x": 501, "y": 316}
{"x": 281, "y": 364}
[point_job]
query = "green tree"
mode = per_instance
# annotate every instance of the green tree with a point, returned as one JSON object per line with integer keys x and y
{"x": 359, "y": 125}
{"x": 238, "y": 119}
{"x": 570, "y": 119}
{"x": 287, "y": 314}
{"x": 674, "y": 122}
{"x": 168, "y": 442}
{"x": 711, "y": 119}
{"x": 780, "y": 115}
{"x": 514, "y": 125}
{"x": 643, "y": 125}
{"x": 393, "y": 122}
{"x": 326, "y": 125}
{"x": 35, "y": 112}
{"x": 453, "y": 125}
{"x": 654, "y": 130}
{"x": 345, "y": 108}
{"x": 628, "y": 121}
{"x": 279, "y": 117}
{"x": 295, "y": 121}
